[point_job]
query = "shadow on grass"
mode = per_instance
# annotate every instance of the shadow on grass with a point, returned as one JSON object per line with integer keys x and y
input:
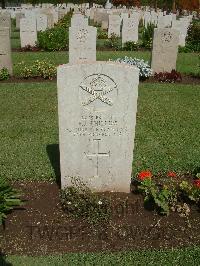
{"x": 3, "y": 261}
{"x": 54, "y": 157}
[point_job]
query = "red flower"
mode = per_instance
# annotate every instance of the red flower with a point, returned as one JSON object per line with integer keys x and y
{"x": 197, "y": 183}
{"x": 144, "y": 175}
{"x": 171, "y": 174}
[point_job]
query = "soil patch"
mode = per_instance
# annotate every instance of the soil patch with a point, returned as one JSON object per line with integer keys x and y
{"x": 186, "y": 79}
{"x": 28, "y": 80}
{"x": 41, "y": 226}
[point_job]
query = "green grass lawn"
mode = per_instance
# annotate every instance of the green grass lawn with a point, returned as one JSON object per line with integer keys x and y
{"x": 183, "y": 257}
{"x": 15, "y": 38}
{"x": 186, "y": 63}
{"x": 15, "y": 43}
{"x": 167, "y": 131}
{"x": 167, "y": 138}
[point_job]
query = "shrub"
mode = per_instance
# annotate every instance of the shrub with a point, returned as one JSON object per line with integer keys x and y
{"x": 113, "y": 42}
{"x": 79, "y": 202}
{"x": 169, "y": 77}
{"x": 56, "y": 38}
{"x": 193, "y": 37}
{"x": 196, "y": 73}
{"x": 184, "y": 49}
{"x": 9, "y": 198}
{"x": 4, "y": 74}
{"x": 24, "y": 71}
{"x": 147, "y": 36}
{"x": 101, "y": 34}
{"x": 131, "y": 46}
{"x": 44, "y": 69}
{"x": 144, "y": 67}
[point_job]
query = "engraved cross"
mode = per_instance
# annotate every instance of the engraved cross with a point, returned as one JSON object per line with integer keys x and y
{"x": 97, "y": 154}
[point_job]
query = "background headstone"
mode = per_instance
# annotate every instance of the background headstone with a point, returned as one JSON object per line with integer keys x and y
{"x": 5, "y": 49}
{"x": 28, "y": 32}
{"x": 42, "y": 22}
{"x": 5, "y": 20}
{"x": 78, "y": 20}
{"x": 114, "y": 25}
{"x": 182, "y": 27}
{"x": 82, "y": 44}
{"x": 130, "y": 30}
{"x": 18, "y": 17}
{"x": 165, "y": 49}
{"x": 165, "y": 21}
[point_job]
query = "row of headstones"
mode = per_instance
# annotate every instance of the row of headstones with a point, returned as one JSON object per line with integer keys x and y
{"x": 97, "y": 105}
{"x": 170, "y": 21}
{"x": 130, "y": 22}
{"x": 40, "y": 19}
{"x": 28, "y": 33}
{"x": 82, "y": 44}
{"x": 30, "y": 22}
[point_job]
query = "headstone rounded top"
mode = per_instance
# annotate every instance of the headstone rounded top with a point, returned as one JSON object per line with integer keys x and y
{"x": 108, "y": 5}
{"x": 114, "y": 63}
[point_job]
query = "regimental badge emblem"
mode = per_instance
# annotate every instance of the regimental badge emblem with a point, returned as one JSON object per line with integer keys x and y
{"x": 82, "y": 35}
{"x": 98, "y": 91}
{"x": 166, "y": 37}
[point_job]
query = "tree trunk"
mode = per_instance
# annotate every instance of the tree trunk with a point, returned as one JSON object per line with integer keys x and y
{"x": 3, "y": 4}
{"x": 156, "y": 5}
{"x": 174, "y": 6}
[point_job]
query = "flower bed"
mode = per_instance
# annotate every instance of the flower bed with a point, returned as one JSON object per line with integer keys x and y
{"x": 169, "y": 192}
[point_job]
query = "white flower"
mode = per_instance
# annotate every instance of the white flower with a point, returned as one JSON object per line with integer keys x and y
{"x": 69, "y": 202}
{"x": 145, "y": 70}
{"x": 99, "y": 202}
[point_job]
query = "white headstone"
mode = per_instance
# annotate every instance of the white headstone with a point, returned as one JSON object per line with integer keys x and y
{"x": 79, "y": 20}
{"x": 61, "y": 13}
{"x": 130, "y": 30}
{"x": 154, "y": 18}
{"x": 97, "y": 105}
{"x": 182, "y": 27}
{"x": 50, "y": 17}
{"x": 42, "y": 22}
{"x": 5, "y": 20}
{"x": 165, "y": 21}
{"x": 114, "y": 25}
{"x": 82, "y": 44}
{"x": 28, "y": 32}
{"x": 5, "y": 49}
{"x": 147, "y": 19}
{"x": 108, "y": 5}
{"x": 165, "y": 49}
{"x": 55, "y": 16}
{"x": 18, "y": 17}
{"x": 104, "y": 25}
